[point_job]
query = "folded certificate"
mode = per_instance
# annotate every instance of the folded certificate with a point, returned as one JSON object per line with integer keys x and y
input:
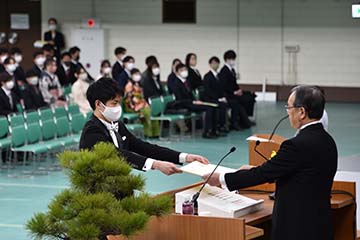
{"x": 201, "y": 169}
{"x": 254, "y": 138}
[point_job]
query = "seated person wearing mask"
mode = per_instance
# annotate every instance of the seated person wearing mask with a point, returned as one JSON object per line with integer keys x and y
{"x": 8, "y": 98}
{"x": 105, "y": 97}
{"x": 31, "y": 92}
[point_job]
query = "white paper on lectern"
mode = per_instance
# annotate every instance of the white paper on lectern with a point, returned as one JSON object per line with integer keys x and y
{"x": 201, "y": 169}
{"x": 255, "y": 138}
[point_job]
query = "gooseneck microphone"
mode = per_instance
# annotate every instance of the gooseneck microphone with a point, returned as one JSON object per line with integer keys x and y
{"x": 196, "y": 195}
{"x": 262, "y": 155}
{"x": 277, "y": 125}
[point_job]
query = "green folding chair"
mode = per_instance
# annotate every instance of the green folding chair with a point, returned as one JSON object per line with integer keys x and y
{"x": 77, "y": 124}
{"x": 60, "y": 112}
{"x": 5, "y": 140}
{"x": 16, "y": 120}
{"x": 32, "y": 117}
{"x": 46, "y": 114}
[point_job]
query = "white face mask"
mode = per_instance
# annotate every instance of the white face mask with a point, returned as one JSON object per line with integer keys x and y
{"x": 156, "y": 71}
{"x": 40, "y": 61}
{"x": 136, "y": 77}
{"x": 11, "y": 68}
{"x": 18, "y": 58}
{"x": 52, "y": 27}
{"x": 9, "y": 85}
{"x": 107, "y": 70}
{"x": 184, "y": 74}
{"x": 130, "y": 66}
{"x": 33, "y": 80}
{"x": 2, "y": 58}
{"x": 112, "y": 114}
{"x": 232, "y": 63}
{"x": 83, "y": 76}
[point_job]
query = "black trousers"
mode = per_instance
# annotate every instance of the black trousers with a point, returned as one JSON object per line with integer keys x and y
{"x": 210, "y": 121}
{"x": 239, "y": 115}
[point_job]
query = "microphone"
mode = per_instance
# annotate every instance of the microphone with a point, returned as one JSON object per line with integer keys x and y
{"x": 277, "y": 125}
{"x": 271, "y": 135}
{"x": 196, "y": 195}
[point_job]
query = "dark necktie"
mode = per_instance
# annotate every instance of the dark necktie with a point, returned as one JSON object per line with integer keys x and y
{"x": 187, "y": 85}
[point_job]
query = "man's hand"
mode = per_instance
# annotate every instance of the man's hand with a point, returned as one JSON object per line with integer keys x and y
{"x": 191, "y": 158}
{"x": 214, "y": 179}
{"x": 239, "y": 92}
{"x": 166, "y": 168}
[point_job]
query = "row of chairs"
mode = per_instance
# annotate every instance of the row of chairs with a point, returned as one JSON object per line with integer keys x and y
{"x": 42, "y": 131}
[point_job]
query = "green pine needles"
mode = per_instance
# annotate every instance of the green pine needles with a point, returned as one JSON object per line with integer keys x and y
{"x": 101, "y": 199}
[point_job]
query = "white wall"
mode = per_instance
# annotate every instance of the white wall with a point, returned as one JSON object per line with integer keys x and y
{"x": 328, "y": 37}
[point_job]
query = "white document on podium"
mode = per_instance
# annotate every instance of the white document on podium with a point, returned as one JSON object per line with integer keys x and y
{"x": 201, "y": 169}
{"x": 255, "y": 138}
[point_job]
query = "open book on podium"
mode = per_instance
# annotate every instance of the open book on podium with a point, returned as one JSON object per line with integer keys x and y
{"x": 266, "y": 147}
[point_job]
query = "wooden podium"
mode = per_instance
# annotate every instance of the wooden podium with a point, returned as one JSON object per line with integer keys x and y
{"x": 265, "y": 148}
{"x": 256, "y": 225}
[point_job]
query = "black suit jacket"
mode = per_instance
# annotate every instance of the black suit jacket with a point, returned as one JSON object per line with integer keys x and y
{"x": 149, "y": 87}
{"x": 58, "y": 40}
{"x": 133, "y": 149}
{"x": 19, "y": 74}
{"x": 183, "y": 95}
{"x": 228, "y": 80}
{"x": 63, "y": 78}
{"x": 5, "y": 107}
{"x": 32, "y": 98}
{"x": 194, "y": 78}
{"x": 170, "y": 82}
{"x": 37, "y": 70}
{"x": 122, "y": 79}
{"x": 212, "y": 88}
{"x": 116, "y": 70}
{"x": 303, "y": 170}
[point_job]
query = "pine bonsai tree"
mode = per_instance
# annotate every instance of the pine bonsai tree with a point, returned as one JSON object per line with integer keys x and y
{"x": 101, "y": 199}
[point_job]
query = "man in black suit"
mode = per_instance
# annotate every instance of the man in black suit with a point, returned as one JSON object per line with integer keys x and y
{"x": 30, "y": 92}
{"x": 118, "y": 67}
{"x": 75, "y": 63}
{"x": 8, "y": 98}
{"x": 234, "y": 94}
{"x": 303, "y": 170}
{"x": 214, "y": 93}
{"x": 39, "y": 60}
{"x": 104, "y": 97}
{"x": 19, "y": 74}
{"x": 185, "y": 99}
{"x": 125, "y": 75}
{"x": 65, "y": 70}
{"x": 55, "y": 37}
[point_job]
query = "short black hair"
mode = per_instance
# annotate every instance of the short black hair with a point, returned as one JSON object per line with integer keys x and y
{"x": 37, "y": 53}
{"x": 48, "y": 47}
{"x": 188, "y": 57}
{"x": 128, "y": 59}
{"x": 78, "y": 69}
{"x": 5, "y": 77}
{"x": 53, "y": 19}
{"x": 119, "y": 50}
{"x": 103, "y": 90}
{"x": 229, "y": 54}
{"x": 15, "y": 50}
{"x": 49, "y": 61}
{"x": 180, "y": 65}
{"x": 74, "y": 49}
{"x": 134, "y": 70}
{"x": 150, "y": 60}
{"x": 175, "y": 60}
{"x": 3, "y": 50}
{"x": 64, "y": 54}
{"x": 103, "y": 62}
{"x": 311, "y": 99}
{"x": 8, "y": 59}
{"x": 214, "y": 59}
{"x": 31, "y": 73}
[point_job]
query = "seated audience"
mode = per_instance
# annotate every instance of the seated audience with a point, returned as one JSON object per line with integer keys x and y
{"x": 75, "y": 57}
{"x": 151, "y": 81}
{"x": 172, "y": 76}
{"x": 194, "y": 77}
{"x": 31, "y": 92}
{"x": 8, "y": 98}
{"x": 185, "y": 99}
{"x": 49, "y": 85}
{"x": 105, "y": 69}
{"x": 79, "y": 89}
{"x": 118, "y": 67}
{"x": 135, "y": 102}
{"x": 214, "y": 93}
{"x": 39, "y": 60}
{"x": 66, "y": 70}
{"x": 235, "y": 95}
{"x": 19, "y": 74}
{"x": 124, "y": 76}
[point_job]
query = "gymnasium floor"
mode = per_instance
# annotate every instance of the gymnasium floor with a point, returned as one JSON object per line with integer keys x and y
{"x": 21, "y": 197}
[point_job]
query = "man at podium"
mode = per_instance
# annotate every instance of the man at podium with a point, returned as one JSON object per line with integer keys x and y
{"x": 303, "y": 170}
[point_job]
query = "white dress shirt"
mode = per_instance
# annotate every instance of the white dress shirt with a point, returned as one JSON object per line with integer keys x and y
{"x": 112, "y": 127}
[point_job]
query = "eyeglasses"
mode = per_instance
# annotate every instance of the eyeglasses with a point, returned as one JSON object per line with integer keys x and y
{"x": 287, "y": 107}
